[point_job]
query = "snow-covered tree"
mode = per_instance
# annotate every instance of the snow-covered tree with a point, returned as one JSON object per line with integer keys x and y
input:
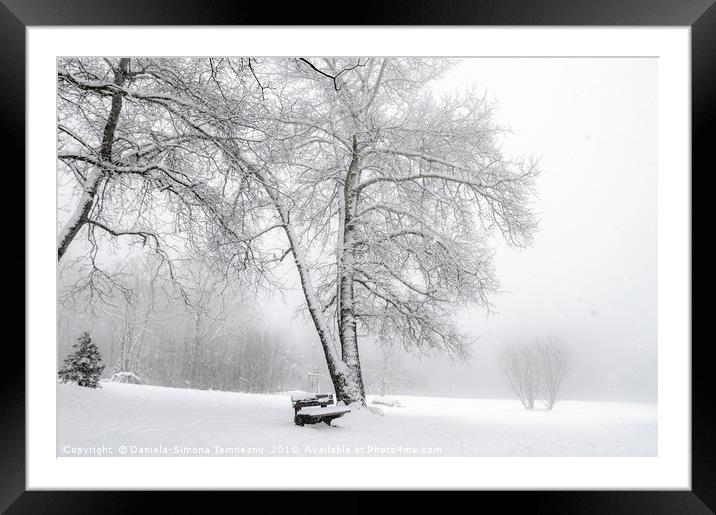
{"x": 387, "y": 197}
{"x": 84, "y": 365}
{"x": 132, "y": 145}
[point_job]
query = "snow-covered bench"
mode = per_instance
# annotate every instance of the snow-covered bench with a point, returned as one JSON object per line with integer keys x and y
{"x": 312, "y": 409}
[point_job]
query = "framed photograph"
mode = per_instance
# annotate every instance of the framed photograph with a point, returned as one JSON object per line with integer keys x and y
{"x": 443, "y": 249}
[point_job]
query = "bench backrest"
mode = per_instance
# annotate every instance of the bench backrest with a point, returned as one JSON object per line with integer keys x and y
{"x": 316, "y": 400}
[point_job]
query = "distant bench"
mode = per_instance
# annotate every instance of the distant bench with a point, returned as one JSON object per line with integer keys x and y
{"x": 312, "y": 409}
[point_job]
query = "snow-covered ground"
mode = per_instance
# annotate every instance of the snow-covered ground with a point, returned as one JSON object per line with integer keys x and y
{"x": 139, "y": 420}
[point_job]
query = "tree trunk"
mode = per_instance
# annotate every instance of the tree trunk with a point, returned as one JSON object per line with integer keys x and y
{"x": 195, "y": 353}
{"x": 344, "y": 370}
{"x": 348, "y": 334}
{"x": 348, "y": 386}
{"x": 94, "y": 177}
{"x": 81, "y": 213}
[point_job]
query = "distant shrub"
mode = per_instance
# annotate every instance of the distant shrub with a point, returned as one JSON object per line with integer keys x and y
{"x": 537, "y": 371}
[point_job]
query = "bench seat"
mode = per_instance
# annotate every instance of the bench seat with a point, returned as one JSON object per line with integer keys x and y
{"x": 319, "y": 411}
{"x": 316, "y": 408}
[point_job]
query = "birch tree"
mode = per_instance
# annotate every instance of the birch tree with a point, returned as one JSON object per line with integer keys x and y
{"x": 388, "y": 198}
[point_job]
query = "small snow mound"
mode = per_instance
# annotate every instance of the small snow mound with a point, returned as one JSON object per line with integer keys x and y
{"x": 376, "y": 410}
{"x": 367, "y": 411}
{"x": 388, "y": 402}
{"x": 125, "y": 377}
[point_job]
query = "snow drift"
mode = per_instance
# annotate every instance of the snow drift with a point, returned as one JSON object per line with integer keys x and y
{"x": 141, "y": 420}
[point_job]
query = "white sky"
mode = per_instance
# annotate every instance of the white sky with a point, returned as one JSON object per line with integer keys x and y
{"x": 590, "y": 277}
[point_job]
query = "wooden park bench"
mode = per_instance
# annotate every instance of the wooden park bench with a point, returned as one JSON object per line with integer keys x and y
{"x": 312, "y": 409}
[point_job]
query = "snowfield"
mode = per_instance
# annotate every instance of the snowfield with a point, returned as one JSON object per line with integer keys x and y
{"x": 140, "y": 420}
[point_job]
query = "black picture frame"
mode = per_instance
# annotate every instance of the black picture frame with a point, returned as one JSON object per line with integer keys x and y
{"x": 17, "y": 15}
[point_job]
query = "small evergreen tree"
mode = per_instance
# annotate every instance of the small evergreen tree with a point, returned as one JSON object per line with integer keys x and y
{"x": 84, "y": 365}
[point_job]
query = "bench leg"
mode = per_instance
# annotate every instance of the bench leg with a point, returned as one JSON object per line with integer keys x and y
{"x": 298, "y": 420}
{"x": 327, "y": 421}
